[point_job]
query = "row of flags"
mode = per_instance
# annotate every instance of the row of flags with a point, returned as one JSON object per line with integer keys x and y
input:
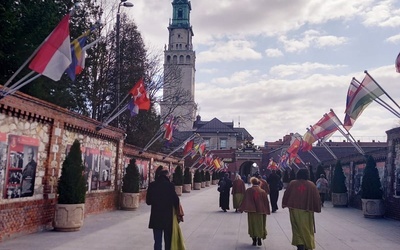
{"x": 359, "y": 96}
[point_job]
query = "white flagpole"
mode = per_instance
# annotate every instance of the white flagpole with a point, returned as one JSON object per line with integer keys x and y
{"x": 348, "y": 136}
{"x": 366, "y": 72}
{"x": 379, "y": 100}
{"x": 183, "y": 143}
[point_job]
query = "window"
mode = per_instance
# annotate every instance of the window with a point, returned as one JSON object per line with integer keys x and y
{"x": 207, "y": 142}
{"x": 223, "y": 143}
{"x": 180, "y": 13}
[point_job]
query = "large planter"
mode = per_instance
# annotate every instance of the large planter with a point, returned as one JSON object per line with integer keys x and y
{"x": 197, "y": 186}
{"x": 207, "y": 183}
{"x": 187, "y": 188}
{"x": 339, "y": 199}
{"x": 203, "y": 184}
{"x": 214, "y": 182}
{"x": 178, "y": 190}
{"x": 68, "y": 217}
{"x": 373, "y": 208}
{"x": 129, "y": 201}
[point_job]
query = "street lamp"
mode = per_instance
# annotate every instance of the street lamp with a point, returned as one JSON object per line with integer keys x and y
{"x": 117, "y": 57}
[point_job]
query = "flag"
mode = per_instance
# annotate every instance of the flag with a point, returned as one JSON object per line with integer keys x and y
{"x": 169, "y": 128}
{"x": 133, "y": 109}
{"x": 54, "y": 56}
{"x": 78, "y": 54}
{"x": 140, "y": 96}
{"x": 327, "y": 125}
{"x": 308, "y": 140}
{"x": 295, "y": 145}
{"x": 202, "y": 148}
{"x": 272, "y": 165}
{"x": 397, "y": 63}
{"x": 217, "y": 163}
{"x": 348, "y": 121}
{"x": 188, "y": 147}
{"x": 364, "y": 95}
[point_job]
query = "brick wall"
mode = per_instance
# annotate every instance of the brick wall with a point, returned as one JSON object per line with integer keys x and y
{"x": 55, "y": 128}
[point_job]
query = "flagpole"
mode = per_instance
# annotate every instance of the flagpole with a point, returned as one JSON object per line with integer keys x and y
{"x": 379, "y": 100}
{"x": 198, "y": 159}
{"x": 71, "y": 13}
{"x": 314, "y": 155}
{"x": 101, "y": 126}
{"x": 177, "y": 148}
{"x": 11, "y": 91}
{"x": 329, "y": 150}
{"x": 366, "y": 72}
{"x": 348, "y": 136}
{"x": 152, "y": 142}
{"x": 13, "y": 88}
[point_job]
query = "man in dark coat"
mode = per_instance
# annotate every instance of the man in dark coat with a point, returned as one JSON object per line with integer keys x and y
{"x": 162, "y": 197}
{"x": 273, "y": 181}
{"x": 225, "y": 185}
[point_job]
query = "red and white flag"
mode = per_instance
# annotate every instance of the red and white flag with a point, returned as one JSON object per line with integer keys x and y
{"x": 169, "y": 128}
{"x": 54, "y": 56}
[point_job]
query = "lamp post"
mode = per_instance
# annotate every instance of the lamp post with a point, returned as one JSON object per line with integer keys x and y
{"x": 117, "y": 56}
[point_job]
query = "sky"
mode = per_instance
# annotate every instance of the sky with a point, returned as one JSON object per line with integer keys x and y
{"x": 278, "y": 66}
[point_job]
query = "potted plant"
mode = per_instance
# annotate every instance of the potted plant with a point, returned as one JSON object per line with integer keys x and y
{"x": 285, "y": 179}
{"x": 208, "y": 177}
{"x": 371, "y": 191}
{"x": 214, "y": 178}
{"x": 339, "y": 189}
{"x": 177, "y": 179}
{"x": 71, "y": 189}
{"x": 203, "y": 179}
{"x": 197, "y": 180}
{"x": 130, "y": 187}
{"x": 187, "y": 180}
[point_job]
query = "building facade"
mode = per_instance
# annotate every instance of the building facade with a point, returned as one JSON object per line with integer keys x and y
{"x": 179, "y": 68}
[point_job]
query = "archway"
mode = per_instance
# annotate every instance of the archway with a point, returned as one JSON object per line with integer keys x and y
{"x": 248, "y": 168}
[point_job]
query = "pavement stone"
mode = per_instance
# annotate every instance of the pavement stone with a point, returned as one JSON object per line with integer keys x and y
{"x": 206, "y": 226}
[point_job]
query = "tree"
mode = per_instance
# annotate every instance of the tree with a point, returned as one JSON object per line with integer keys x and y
{"x": 131, "y": 179}
{"x": 187, "y": 176}
{"x": 371, "y": 185}
{"x": 286, "y": 178}
{"x": 72, "y": 185}
{"x": 339, "y": 179}
{"x": 177, "y": 177}
{"x": 320, "y": 170}
{"x": 312, "y": 176}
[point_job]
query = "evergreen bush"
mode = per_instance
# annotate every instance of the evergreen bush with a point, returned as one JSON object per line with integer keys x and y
{"x": 187, "y": 176}
{"x": 320, "y": 170}
{"x": 203, "y": 176}
{"x": 371, "y": 185}
{"x": 197, "y": 176}
{"x": 207, "y": 176}
{"x": 131, "y": 179}
{"x": 339, "y": 179}
{"x": 177, "y": 177}
{"x": 72, "y": 185}
{"x": 312, "y": 176}
{"x": 285, "y": 178}
{"x": 214, "y": 175}
{"x": 292, "y": 175}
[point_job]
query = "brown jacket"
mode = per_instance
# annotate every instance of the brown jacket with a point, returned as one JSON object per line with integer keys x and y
{"x": 264, "y": 185}
{"x": 238, "y": 187}
{"x": 255, "y": 201}
{"x": 303, "y": 195}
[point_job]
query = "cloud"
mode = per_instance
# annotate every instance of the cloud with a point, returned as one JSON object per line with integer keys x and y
{"x": 393, "y": 39}
{"x": 234, "y": 50}
{"x": 302, "y": 69}
{"x": 273, "y": 53}
{"x": 309, "y": 39}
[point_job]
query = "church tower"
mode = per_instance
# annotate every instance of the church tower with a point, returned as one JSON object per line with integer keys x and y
{"x": 179, "y": 68}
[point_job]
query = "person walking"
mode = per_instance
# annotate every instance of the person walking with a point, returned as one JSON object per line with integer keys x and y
{"x": 162, "y": 198}
{"x": 256, "y": 205}
{"x": 274, "y": 185}
{"x": 302, "y": 198}
{"x": 238, "y": 189}
{"x": 224, "y": 188}
{"x": 322, "y": 186}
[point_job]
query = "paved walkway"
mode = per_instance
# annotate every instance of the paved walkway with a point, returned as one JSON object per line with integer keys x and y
{"x": 206, "y": 227}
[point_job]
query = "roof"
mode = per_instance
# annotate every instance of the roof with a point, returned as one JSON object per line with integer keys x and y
{"x": 216, "y": 126}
